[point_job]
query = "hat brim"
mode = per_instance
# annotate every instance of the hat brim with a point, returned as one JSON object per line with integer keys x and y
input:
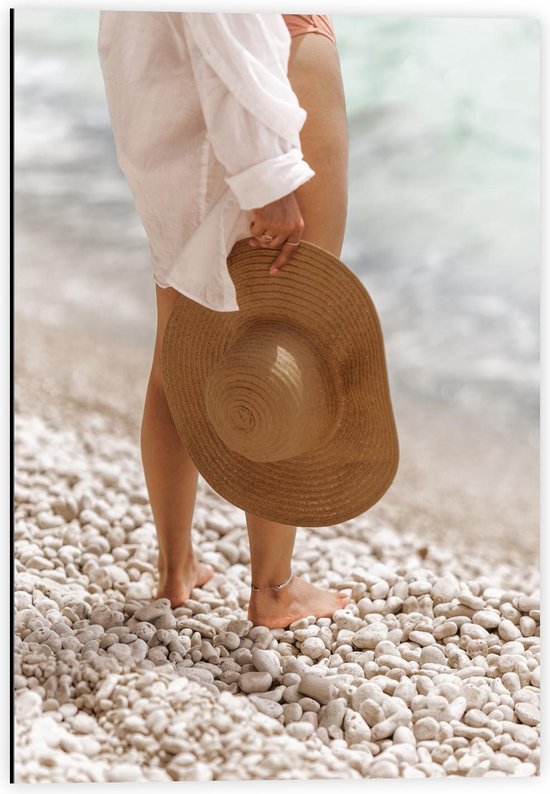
{"x": 352, "y": 468}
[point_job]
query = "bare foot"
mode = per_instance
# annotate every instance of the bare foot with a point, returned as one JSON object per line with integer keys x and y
{"x": 177, "y": 585}
{"x": 279, "y": 608}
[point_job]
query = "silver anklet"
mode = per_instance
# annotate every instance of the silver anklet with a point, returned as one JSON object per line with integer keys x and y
{"x": 277, "y": 586}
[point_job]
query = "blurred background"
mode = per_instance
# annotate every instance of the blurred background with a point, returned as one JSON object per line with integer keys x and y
{"x": 443, "y": 231}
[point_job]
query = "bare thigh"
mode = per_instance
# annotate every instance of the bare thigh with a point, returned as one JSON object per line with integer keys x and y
{"x": 316, "y": 79}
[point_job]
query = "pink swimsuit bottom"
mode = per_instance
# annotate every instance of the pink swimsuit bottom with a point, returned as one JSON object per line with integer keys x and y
{"x": 309, "y": 23}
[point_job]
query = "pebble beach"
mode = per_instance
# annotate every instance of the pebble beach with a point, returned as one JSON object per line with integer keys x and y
{"x": 432, "y": 670}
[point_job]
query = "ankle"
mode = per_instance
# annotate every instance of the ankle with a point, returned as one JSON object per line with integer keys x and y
{"x": 271, "y": 585}
{"x": 173, "y": 566}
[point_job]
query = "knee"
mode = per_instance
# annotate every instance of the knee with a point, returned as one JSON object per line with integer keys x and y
{"x": 156, "y": 381}
{"x": 156, "y": 406}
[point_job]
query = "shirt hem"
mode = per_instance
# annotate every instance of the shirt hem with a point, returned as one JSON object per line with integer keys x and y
{"x": 171, "y": 283}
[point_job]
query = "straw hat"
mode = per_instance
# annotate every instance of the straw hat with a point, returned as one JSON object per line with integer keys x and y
{"x": 284, "y": 405}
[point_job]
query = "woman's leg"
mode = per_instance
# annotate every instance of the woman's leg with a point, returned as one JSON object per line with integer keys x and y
{"x": 171, "y": 479}
{"x": 315, "y": 76}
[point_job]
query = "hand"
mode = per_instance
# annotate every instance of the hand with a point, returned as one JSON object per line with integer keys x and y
{"x": 281, "y": 220}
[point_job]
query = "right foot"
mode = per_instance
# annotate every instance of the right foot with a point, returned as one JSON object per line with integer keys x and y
{"x": 177, "y": 586}
{"x": 299, "y": 599}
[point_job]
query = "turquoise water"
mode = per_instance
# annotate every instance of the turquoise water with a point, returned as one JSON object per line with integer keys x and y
{"x": 443, "y": 217}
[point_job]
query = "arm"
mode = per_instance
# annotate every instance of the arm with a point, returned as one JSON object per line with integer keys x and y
{"x": 251, "y": 113}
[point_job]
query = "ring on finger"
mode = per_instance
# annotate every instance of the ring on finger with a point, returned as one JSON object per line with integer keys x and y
{"x": 266, "y": 238}
{"x": 288, "y": 242}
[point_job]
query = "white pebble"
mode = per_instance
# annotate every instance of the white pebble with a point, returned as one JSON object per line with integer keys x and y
{"x": 124, "y": 773}
{"x": 369, "y": 636}
{"x": 527, "y": 713}
{"x": 422, "y": 638}
{"x": 255, "y": 682}
{"x": 314, "y": 648}
{"x": 317, "y": 687}
{"x": 508, "y": 631}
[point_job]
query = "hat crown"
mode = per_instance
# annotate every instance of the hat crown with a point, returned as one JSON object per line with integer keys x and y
{"x": 267, "y": 398}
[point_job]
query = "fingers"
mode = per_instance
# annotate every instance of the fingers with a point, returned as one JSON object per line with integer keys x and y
{"x": 280, "y": 221}
{"x": 259, "y": 228}
{"x": 282, "y": 241}
{"x": 286, "y": 244}
{"x": 283, "y": 223}
{"x": 277, "y": 242}
{"x": 284, "y": 257}
{"x": 278, "y": 234}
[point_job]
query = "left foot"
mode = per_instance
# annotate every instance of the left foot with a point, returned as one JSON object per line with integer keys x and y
{"x": 298, "y": 599}
{"x": 177, "y": 586}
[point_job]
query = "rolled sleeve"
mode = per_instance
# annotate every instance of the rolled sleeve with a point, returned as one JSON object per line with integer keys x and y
{"x": 264, "y": 182}
{"x": 260, "y": 150}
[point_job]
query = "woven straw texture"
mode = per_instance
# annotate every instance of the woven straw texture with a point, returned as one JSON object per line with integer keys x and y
{"x": 284, "y": 406}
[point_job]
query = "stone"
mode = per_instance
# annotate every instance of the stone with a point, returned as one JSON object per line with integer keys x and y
{"x": 420, "y": 587}
{"x": 426, "y": 728}
{"x": 386, "y": 769}
{"x": 355, "y": 729}
{"x": 317, "y": 687}
{"x": 268, "y": 707}
{"x": 446, "y": 629}
{"x": 239, "y": 627}
{"x": 404, "y": 735}
{"x": 120, "y": 651}
{"x": 508, "y": 631}
{"x": 82, "y": 723}
{"x": 432, "y": 654}
{"x": 527, "y": 713}
{"x": 229, "y": 640}
{"x": 371, "y": 712}
{"x": 386, "y": 728}
{"x": 105, "y": 617}
{"x": 267, "y": 661}
{"x": 526, "y": 735}
{"x": 28, "y": 705}
{"x": 422, "y": 638}
{"x": 300, "y": 730}
{"x": 124, "y": 773}
{"x": 255, "y": 682}
{"x": 314, "y": 647}
{"x": 345, "y": 620}
{"x": 333, "y": 713}
{"x": 369, "y": 636}
{"x": 528, "y": 603}
{"x": 444, "y": 590}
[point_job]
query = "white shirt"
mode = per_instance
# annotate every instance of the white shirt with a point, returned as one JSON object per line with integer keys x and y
{"x": 206, "y": 128}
